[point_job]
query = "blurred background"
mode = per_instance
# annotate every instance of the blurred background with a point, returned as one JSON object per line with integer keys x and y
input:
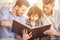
{"x": 40, "y": 4}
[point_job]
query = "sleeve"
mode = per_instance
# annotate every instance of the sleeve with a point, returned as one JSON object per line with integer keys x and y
{"x": 54, "y": 38}
{"x": 54, "y": 28}
{"x": 56, "y": 25}
{"x": 4, "y": 13}
{"x": 23, "y": 19}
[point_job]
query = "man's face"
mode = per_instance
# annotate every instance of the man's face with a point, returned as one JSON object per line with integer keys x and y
{"x": 47, "y": 8}
{"x": 21, "y": 10}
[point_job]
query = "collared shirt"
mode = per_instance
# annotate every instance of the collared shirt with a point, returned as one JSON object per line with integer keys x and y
{"x": 21, "y": 19}
{"x": 4, "y": 31}
{"x": 54, "y": 20}
{"x": 5, "y": 14}
{"x": 37, "y": 23}
{"x": 56, "y": 26}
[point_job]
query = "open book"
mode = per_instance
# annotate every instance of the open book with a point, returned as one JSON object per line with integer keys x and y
{"x": 17, "y": 28}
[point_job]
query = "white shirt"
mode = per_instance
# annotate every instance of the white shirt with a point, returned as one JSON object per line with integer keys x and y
{"x": 54, "y": 20}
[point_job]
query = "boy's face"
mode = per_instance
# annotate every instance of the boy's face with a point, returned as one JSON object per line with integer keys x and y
{"x": 21, "y": 10}
{"x": 34, "y": 17}
{"x": 47, "y": 8}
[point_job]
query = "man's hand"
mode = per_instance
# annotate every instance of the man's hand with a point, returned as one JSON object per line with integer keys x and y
{"x": 49, "y": 32}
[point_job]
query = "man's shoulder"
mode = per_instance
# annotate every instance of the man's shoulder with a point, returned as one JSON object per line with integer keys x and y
{"x": 5, "y": 8}
{"x": 56, "y": 12}
{"x": 5, "y": 11}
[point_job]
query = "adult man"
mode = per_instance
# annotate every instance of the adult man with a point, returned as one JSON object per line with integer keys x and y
{"x": 53, "y": 18}
{"x": 6, "y": 18}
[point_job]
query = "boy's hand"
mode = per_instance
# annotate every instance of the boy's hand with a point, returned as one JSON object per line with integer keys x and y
{"x": 26, "y": 36}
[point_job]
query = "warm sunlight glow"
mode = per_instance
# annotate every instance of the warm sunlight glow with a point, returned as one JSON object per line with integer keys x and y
{"x": 32, "y": 1}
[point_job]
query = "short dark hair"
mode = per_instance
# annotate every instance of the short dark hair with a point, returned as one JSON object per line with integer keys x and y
{"x": 48, "y": 1}
{"x": 22, "y": 2}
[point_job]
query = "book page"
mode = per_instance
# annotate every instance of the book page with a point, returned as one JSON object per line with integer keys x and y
{"x": 40, "y": 26}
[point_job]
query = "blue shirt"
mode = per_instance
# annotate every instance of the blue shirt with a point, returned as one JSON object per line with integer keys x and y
{"x": 20, "y": 19}
{"x": 5, "y": 14}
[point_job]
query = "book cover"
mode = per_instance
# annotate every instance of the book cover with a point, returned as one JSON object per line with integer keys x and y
{"x": 37, "y": 32}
